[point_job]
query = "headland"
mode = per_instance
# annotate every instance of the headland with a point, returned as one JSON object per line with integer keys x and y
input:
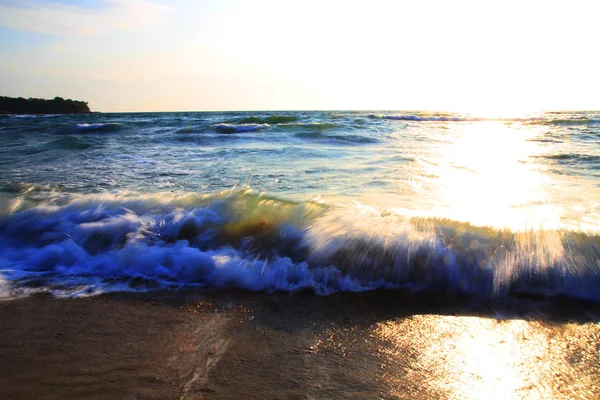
{"x": 57, "y": 105}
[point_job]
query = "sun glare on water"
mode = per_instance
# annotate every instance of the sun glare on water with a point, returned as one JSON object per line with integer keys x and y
{"x": 466, "y": 357}
{"x": 483, "y": 174}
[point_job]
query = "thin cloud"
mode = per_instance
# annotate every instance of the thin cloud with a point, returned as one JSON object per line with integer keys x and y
{"x": 64, "y": 20}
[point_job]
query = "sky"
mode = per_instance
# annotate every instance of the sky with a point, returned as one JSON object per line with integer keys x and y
{"x": 488, "y": 58}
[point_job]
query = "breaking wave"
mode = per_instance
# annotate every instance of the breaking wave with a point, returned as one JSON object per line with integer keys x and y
{"x": 108, "y": 126}
{"x": 72, "y": 244}
{"x": 238, "y": 128}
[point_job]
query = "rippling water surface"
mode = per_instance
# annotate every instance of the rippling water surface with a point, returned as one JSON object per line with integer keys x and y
{"x": 323, "y": 201}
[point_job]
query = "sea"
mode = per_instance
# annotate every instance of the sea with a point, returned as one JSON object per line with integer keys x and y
{"x": 317, "y": 202}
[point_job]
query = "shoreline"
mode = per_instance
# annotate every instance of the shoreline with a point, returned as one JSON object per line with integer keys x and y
{"x": 235, "y": 344}
{"x": 56, "y": 113}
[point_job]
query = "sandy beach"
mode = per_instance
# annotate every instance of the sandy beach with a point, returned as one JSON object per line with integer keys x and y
{"x": 226, "y": 345}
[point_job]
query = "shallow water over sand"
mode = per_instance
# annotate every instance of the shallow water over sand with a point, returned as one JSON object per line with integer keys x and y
{"x": 244, "y": 345}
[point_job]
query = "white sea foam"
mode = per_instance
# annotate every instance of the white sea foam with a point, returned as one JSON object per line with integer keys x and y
{"x": 97, "y": 126}
{"x": 84, "y": 244}
{"x": 4, "y": 289}
{"x": 238, "y": 128}
{"x": 25, "y": 116}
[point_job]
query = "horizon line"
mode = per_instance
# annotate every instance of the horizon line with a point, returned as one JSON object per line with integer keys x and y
{"x": 423, "y": 110}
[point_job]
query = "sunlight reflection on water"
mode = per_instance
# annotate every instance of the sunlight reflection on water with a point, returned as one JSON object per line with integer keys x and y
{"x": 467, "y": 357}
{"x": 485, "y": 168}
{"x": 489, "y": 173}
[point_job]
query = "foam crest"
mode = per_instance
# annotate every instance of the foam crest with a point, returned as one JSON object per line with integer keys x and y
{"x": 107, "y": 126}
{"x": 239, "y": 128}
{"x": 439, "y": 254}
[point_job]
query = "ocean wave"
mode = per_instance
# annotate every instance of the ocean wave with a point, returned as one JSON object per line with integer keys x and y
{"x": 32, "y": 116}
{"x": 79, "y": 244}
{"x": 239, "y": 128}
{"x": 106, "y": 126}
{"x": 70, "y": 143}
{"x": 195, "y": 129}
{"x": 421, "y": 118}
{"x": 271, "y": 119}
{"x": 574, "y": 121}
{"x": 312, "y": 126}
{"x": 26, "y": 188}
{"x": 566, "y": 121}
{"x": 347, "y": 139}
{"x": 24, "y": 116}
{"x": 570, "y": 158}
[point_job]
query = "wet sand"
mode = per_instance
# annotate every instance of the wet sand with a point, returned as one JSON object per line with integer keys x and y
{"x": 238, "y": 345}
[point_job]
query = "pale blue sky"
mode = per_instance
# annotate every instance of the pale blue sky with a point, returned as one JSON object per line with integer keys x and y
{"x": 490, "y": 58}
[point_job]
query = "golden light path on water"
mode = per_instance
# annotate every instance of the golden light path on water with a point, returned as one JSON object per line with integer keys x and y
{"x": 489, "y": 173}
{"x": 464, "y": 357}
{"x": 483, "y": 180}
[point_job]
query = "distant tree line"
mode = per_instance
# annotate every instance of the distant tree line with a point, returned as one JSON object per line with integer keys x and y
{"x": 58, "y": 105}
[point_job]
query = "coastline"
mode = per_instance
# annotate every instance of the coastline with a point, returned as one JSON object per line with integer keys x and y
{"x": 221, "y": 345}
{"x": 54, "y": 113}
{"x": 57, "y": 105}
